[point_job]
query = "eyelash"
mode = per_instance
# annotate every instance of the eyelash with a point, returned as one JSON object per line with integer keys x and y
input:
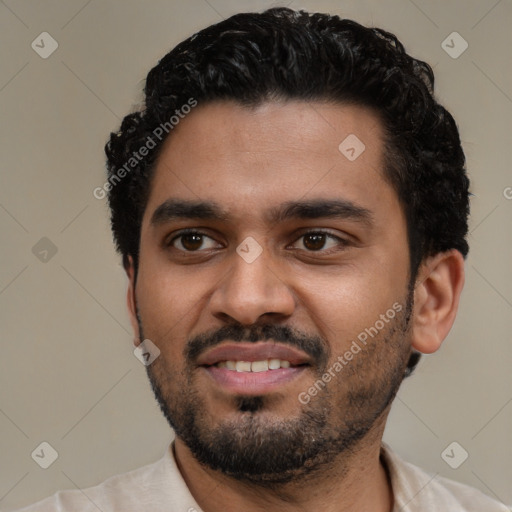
{"x": 191, "y": 231}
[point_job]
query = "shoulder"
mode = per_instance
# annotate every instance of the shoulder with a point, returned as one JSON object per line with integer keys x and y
{"x": 150, "y": 487}
{"x": 415, "y": 490}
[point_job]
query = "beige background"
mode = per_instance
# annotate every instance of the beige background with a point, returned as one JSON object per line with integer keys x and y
{"x": 67, "y": 372}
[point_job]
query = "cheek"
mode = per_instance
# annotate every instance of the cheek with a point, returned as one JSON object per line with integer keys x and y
{"x": 345, "y": 302}
{"x": 166, "y": 301}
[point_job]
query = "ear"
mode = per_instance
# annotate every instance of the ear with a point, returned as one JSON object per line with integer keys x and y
{"x": 130, "y": 300}
{"x": 436, "y": 299}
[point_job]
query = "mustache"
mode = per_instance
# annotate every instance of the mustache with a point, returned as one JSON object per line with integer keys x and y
{"x": 314, "y": 346}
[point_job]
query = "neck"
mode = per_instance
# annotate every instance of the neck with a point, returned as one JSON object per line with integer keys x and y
{"x": 355, "y": 481}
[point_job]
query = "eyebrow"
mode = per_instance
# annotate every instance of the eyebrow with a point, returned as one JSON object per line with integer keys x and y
{"x": 319, "y": 209}
{"x": 174, "y": 209}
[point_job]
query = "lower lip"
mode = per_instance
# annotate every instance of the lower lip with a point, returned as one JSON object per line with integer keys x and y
{"x": 253, "y": 383}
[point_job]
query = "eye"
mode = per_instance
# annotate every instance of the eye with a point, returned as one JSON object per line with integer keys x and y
{"x": 191, "y": 241}
{"x": 315, "y": 241}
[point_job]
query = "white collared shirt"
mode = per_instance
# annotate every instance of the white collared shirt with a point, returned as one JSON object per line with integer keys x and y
{"x": 160, "y": 487}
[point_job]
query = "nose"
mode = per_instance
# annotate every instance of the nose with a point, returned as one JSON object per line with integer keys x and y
{"x": 252, "y": 290}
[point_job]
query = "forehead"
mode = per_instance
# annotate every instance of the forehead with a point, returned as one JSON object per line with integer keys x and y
{"x": 253, "y": 159}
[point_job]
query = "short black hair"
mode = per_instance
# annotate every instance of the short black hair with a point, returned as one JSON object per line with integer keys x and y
{"x": 281, "y": 54}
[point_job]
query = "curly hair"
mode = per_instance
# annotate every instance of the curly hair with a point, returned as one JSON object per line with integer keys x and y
{"x": 282, "y": 54}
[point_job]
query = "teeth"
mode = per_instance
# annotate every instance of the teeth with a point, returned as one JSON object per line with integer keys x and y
{"x": 274, "y": 364}
{"x": 259, "y": 366}
{"x": 243, "y": 366}
{"x": 254, "y": 366}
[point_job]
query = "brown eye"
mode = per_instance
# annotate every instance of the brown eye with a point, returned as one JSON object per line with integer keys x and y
{"x": 323, "y": 242}
{"x": 191, "y": 242}
{"x": 314, "y": 241}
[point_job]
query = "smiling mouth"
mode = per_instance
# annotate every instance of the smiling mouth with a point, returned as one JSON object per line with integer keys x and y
{"x": 253, "y": 356}
{"x": 253, "y": 368}
{"x": 256, "y": 366}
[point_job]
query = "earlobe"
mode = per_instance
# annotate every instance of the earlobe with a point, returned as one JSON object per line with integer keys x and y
{"x": 130, "y": 300}
{"x": 436, "y": 299}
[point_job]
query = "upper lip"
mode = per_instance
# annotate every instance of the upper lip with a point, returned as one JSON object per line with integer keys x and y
{"x": 258, "y": 351}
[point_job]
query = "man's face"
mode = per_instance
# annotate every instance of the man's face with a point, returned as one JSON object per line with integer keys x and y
{"x": 324, "y": 276}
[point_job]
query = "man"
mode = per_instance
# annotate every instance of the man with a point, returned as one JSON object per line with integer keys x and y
{"x": 291, "y": 209}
